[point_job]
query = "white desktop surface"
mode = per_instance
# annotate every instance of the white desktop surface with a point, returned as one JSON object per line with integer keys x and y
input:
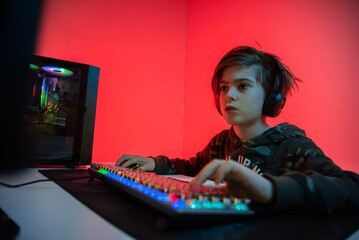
{"x": 45, "y": 211}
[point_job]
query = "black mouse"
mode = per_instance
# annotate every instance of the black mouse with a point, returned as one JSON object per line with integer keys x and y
{"x": 135, "y": 165}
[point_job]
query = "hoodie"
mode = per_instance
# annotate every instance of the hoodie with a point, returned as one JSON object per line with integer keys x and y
{"x": 304, "y": 179}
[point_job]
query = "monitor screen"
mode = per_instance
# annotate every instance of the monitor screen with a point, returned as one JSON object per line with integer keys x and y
{"x": 60, "y": 112}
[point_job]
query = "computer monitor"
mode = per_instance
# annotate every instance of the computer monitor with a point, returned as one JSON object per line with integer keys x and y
{"x": 18, "y": 29}
{"x": 60, "y": 112}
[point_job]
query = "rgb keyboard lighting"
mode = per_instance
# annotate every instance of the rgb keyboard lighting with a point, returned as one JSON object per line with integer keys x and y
{"x": 173, "y": 192}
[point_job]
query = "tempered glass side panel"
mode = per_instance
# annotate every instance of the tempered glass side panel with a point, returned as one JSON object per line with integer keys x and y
{"x": 56, "y": 111}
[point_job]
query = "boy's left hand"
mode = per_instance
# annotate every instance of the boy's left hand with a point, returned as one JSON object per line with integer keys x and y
{"x": 241, "y": 181}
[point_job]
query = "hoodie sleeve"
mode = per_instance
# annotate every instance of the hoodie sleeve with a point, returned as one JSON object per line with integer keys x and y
{"x": 164, "y": 165}
{"x": 315, "y": 184}
{"x": 214, "y": 149}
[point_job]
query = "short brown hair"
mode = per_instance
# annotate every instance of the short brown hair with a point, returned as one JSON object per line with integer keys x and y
{"x": 271, "y": 73}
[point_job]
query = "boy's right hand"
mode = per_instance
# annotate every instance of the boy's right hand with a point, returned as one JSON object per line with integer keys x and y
{"x": 147, "y": 164}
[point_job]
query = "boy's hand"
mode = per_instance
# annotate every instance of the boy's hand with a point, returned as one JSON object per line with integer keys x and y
{"x": 147, "y": 164}
{"x": 241, "y": 181}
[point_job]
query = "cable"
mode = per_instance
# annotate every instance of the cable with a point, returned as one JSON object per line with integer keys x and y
{"x": 42, "y": 180}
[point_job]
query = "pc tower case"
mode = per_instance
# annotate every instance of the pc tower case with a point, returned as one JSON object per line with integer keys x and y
{"x": 60, "y": 112}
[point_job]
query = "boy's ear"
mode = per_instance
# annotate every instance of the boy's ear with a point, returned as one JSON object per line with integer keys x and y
{"x": 273, "y": 104}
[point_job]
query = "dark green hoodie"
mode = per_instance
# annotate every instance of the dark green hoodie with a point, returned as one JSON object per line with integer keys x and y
{"x": 304, "y": 178}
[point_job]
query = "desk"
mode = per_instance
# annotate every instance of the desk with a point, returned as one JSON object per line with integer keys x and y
{"x": 46, "y": 211}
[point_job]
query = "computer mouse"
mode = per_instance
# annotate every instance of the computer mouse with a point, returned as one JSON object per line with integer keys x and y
{"x": 135, "y": 165}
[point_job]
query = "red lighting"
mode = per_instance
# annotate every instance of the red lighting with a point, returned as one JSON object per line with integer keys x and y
{"x": 157, "y": 59}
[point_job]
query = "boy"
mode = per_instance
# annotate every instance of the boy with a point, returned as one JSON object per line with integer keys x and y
{"x": 279, "y": 166}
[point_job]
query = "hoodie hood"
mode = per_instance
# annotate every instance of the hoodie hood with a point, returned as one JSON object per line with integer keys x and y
{"x": 273, "y": 135}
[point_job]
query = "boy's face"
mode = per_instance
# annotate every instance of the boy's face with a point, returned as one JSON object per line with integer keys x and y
{"x": 241, "y": 96}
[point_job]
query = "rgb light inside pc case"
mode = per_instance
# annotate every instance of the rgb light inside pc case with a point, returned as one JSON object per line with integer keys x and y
{"x": 60, "y": 113}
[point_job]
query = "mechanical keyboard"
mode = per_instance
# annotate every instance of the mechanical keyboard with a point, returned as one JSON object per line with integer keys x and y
{"x": 171, "y": 197}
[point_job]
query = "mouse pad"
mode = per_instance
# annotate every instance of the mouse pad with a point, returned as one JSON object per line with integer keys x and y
{"x": 144, "y": 222}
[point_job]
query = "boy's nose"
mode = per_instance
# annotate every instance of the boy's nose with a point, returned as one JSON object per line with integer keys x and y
{"x": 232, "y": 93}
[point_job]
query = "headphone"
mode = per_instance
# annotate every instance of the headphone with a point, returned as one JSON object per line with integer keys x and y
{"x": 274, "y": 102}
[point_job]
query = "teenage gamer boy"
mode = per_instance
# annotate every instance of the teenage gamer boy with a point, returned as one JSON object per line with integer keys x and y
{"x": 278, "y": 166}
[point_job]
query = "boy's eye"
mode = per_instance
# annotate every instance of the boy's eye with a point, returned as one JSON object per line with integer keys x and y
{"x": 243, "y": 86}
{"x": 223, "y": 88}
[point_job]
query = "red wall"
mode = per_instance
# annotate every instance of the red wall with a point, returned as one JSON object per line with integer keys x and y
{"x": 318, "y": 40}
{"x": 157, "y": 58}
{"x": 140, "y": 47}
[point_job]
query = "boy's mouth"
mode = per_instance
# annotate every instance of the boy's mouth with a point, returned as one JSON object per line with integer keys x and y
{"x": 230, "y": 108}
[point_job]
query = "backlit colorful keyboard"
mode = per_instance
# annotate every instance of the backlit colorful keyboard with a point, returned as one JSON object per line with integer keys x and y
{"x": 171, "y": 196}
